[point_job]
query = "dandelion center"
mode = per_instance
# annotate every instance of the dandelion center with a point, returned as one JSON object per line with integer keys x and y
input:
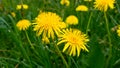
{"x": 72, "y": 39}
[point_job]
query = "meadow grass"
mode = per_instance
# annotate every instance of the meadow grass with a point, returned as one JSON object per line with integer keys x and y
{"x": 24, "y": 49}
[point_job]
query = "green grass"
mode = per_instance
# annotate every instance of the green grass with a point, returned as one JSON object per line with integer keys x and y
{"x": 16, "y": 52}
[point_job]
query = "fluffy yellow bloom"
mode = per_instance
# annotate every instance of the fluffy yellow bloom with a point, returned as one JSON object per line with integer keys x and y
{"x": 118, "y": 30}
{"x": 24, "y": 6}
{"x": 13, "y": 14}
{"x": 82, "y": 8}
{"x": 23, "y": 24}
{"x": 103, "y": 5}
{"x": 65, "y": 2}
{"x": 74, "y": 40}
{"x": 71, "y": 20}
{"x": 48, "y": 24}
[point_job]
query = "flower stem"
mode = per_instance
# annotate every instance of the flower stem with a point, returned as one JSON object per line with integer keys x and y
{"x": 59, "y": 52}
{"x": 25, "y": 55}
{"x": 31, "y": 44}
{"x": 81, "y": 22}
{"x": 29, "y": 40}
{"x": 109, "y": 38}
{"x": 89, "y": 22}
{"x": 23, "y": 51}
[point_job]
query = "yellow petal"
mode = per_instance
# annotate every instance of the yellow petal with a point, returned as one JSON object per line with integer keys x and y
{"x": 61, "y": 42}
{"x": 40, "y": 32}
{"x": 78, "y": 50}
{"x": 65, "y": 47}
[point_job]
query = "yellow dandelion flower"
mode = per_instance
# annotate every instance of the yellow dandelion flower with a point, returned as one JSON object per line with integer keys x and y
{"x": 13, "y": 14}
{"x": 48, "y": 24}
{"x": 18, "y": 7}
{"x": 23, "y": 24}
{"x": 103, "y": 5}
{"x": 24, "y": 6}
{"x": 118, "y": 30}
{"x": 82, "y": 8}
{"x": 74, "y": 40}
{"x": 65, "y": 2}
{"x": 71, "y": 20}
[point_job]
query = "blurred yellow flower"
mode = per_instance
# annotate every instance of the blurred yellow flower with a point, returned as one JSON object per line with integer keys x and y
{"x": 24, "y": 6}
{"x": 71, "y": 20}
{"x": 65, "y": 2}
{"x": 23, "y": 24}
{"x": 18, "y": 7}
{"x": 118, "y": 30}
{"x": 13, "y": 14}
{"x": 88, "y": 0}
{"x": 103, "y": 5}
{"x": 48, "y": 24}
{"x": 82, "y": 8}
{"x": 74, "y": 40}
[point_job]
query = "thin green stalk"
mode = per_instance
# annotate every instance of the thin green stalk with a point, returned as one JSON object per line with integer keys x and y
{"x": 31, "y": 44}
{"x": 25, "y": 54}
{"x": 59, "y": 52}
{"x": 81, "y": 22}
{"x": 74, "y": 62}
{"x": 17, "y": 39}
{"x": 110, "y": 43}
{"x": 22, "y": 2}
{"x": 88, "y": 24}
{"x": 29, "y": 40}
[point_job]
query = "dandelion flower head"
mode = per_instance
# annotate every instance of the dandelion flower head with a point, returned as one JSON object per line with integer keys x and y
{"x": 13, "y": 14}
{"x": 82, "y": 8}
{"x": 72, "y": 20}
{"x": 65, "y": 2}
{"x": 103, "y": 5}
{"x": 24, "y": 6}
{"x": 48, "y": 24}
{"x": 118, "y": 30}
{"x": 74, "y": 40}
{"x": 23, "y": 24}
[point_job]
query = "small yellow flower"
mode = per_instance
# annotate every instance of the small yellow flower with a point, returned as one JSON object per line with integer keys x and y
{"x": 48, "y": 24}
{"x": 24, "y": 6}
{"x": 74, "y": 40}
{"x": 13, "y": 14}
{"x": 72, "y": 20}
{"x": 88, "y": 0}
{"x": 103, "y": 5}
{"x": 23, "y": 24}
{"x": 18, "y": 7}
{"x": 118, "y": 30}
{"x": 65, "y": 2}
{"x": 82, "y": 8}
